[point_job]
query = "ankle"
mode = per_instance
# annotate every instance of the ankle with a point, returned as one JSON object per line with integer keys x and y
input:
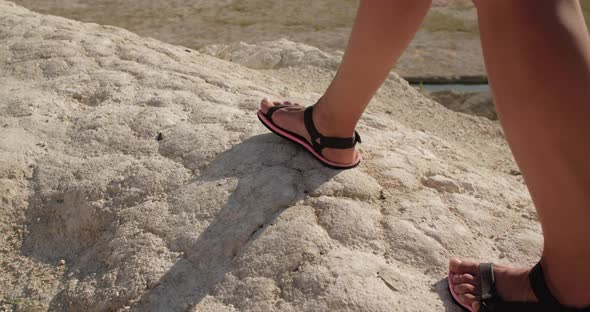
{"x": 568, "y": 283}
{"x": 333, "y": 124}
{"x": 575, "y": 296}
{"x": 513, "y": 284}
{"x": 572, "y": 293}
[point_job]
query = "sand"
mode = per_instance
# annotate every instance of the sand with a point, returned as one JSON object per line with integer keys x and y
{"x": 136, "y": 177}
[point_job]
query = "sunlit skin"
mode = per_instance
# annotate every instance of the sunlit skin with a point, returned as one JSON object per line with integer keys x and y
{"x": 537, "y": 54}
{"x": 381, "y": 33}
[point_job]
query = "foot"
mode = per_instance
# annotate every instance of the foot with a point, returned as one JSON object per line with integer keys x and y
{"x": 511, "y": 284}
{"x": 291, "y": 119}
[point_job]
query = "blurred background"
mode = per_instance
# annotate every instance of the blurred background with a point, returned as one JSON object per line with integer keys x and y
{"x": 444, "y": 60}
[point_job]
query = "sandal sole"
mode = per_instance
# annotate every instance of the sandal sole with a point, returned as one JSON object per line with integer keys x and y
{"x": 299, "y": 141}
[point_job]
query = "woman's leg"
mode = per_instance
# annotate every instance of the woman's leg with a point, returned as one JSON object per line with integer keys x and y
{"x": 538, "y": 58}
{"x": 382, "y": 31}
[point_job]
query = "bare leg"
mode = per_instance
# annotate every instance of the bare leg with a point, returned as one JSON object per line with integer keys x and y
{"x": 382, "y": 31}
{"x": 538, "y": 57}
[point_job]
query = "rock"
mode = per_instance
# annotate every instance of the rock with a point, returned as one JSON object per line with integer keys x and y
{"x": 220, "y": 215}
{"x": 477, "y": 104}
{"x": 442, "y": 184}
{"x": 515, "y": 172}
{"x": 480, "y": 104}
{"x": 404, "y": 178}
{"x": 273, "y": 55}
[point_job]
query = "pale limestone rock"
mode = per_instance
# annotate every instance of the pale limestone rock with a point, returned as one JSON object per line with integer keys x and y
{"x": 143, "y": 167}
{"x": 473, "y": 103}
{"x": 273, "y": 55}
{"x": 442, "y": 184}
{"x": 403, "y": 178}
{"x": 350, "y": 222}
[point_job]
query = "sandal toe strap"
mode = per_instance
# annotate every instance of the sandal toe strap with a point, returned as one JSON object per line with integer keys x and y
{"x": 487, "y": 281}
{"x": 490, "y": 301}
{"x": 273, "y": 109}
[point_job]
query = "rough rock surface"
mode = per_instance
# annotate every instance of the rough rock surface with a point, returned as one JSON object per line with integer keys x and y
{"x": 473, "y": 103}
{"x": 134, "y": 175}
{"x": 274, "y": 55}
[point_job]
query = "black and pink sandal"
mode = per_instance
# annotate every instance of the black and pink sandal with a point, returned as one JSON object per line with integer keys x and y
{"x": 491, "y": 301}
{"x": 315, "y": 147}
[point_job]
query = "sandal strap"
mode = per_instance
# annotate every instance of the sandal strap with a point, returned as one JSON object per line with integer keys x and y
{"x": 491, "y": 301}
{"x": 273, "y": 109}
{"x": 326, "y": 142}
{"x": 542, "y": 292}
{"x": 487, "y": 281}
{"x": 340, "y": 143}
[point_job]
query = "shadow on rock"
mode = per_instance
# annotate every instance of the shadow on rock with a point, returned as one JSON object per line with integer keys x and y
{"x": 442, "y": 289}
{"x": 270, "y": 178}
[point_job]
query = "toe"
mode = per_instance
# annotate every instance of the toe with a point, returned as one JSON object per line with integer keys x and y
{"x": 464, "y": 279}
{"x": 463, "y": 289}
{"x": 265, "y": 105}
{"x": 462, "y": 267}
{"x": 294, "y": 104}
{"x": 468, "y": 299}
